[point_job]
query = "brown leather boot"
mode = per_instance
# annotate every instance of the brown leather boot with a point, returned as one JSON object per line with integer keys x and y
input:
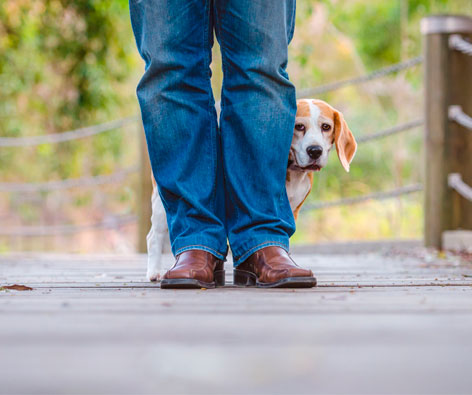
{"x": 195, "y": 269}
{"x": 272, "y": 267}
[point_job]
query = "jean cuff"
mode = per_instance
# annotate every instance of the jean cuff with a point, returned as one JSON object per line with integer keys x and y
{"x": 218, "y": 254}
{"x": 249, "y": 249}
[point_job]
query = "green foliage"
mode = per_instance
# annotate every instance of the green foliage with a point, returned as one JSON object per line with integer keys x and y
{"x": 375, "y": 27}
{"x": 64, "y": 65}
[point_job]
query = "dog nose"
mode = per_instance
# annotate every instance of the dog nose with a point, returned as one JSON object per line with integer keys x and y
{"x": 314, "y": 151}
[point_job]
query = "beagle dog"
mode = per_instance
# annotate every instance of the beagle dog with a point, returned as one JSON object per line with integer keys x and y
{"x": 318, "y": 127}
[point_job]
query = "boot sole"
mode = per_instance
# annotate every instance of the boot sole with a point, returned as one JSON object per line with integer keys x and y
{"x": 191, "y": 283}
{"x": 243, "y": 278}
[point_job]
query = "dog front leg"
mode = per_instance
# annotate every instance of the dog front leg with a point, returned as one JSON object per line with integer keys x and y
{"x": 156, "y": 236}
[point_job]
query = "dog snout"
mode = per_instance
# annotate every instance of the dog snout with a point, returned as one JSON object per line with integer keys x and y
{"x": 314, "y": 151}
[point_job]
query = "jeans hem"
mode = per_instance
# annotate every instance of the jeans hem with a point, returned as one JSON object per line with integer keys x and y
{"x": 217, "y": 254}
{"x": 238, "y": 259}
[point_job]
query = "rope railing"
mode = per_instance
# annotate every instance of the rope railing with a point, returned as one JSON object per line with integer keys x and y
{"x": 68, "y": 183}
{"x": 116, "y": 222}
{"x": 119, "y": 221}
{"x": 107, "y": 126}
{"x": 456, "y": 114}
{"x": 318, "y": 90}
{"x": 59, "y": 230}
{"x": 361, "y": 79}
{"x": 390, "y": 131}
{"x": 28, "y": 141}
{"x": 122, "y": 174}
{"x": 406, "y": 190}
{"x": 115, "y": 124}
{"x": 454, "y": 181}
{"x": 457, "y": 42}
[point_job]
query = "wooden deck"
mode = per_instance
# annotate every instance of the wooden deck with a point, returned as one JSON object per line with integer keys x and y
{"x": 390, "y": 322}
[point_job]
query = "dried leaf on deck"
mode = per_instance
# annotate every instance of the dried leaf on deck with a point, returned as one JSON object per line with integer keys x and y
{"x": 17, "y": 287}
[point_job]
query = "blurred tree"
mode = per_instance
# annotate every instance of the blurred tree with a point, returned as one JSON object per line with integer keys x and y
{"x": 63, "y": 64}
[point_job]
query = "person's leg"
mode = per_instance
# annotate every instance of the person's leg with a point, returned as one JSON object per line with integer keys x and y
{"x": 174, "y": 38}
{"x": 257, "y": 118}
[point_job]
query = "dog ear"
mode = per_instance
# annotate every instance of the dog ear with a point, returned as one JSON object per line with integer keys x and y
{"x": 346, "y": 145}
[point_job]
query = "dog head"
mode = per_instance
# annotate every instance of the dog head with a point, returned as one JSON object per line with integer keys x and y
{"x": 318, "y": 127}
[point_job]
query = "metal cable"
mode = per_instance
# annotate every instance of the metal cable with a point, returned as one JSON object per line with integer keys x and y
{"x": 358, "y": 80}
{"x": 68, "y": 183}
{"x": 454, "y": 180}
{"x": 456, "y": 114}
{"x": 66, "y": 136}
{"x": 390, "y": 131}
{"x": 457, "y": 42}
{"x": 53, "y": 230}
{"x": 359, "y": 199}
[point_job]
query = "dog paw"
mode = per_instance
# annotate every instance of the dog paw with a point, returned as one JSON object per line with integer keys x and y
{"x": 153, "y": 276}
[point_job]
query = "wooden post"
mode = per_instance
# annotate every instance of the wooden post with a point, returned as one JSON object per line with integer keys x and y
{"x": 448, "y": 147}
{"x": 145, "y": 192}
{"x": 460, "y": 137}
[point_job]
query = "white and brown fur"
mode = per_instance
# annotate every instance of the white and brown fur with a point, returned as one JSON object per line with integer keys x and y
{"x": 317, "y": 124}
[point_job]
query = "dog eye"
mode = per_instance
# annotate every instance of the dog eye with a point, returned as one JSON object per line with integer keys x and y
{"x": 325, "y": 127}
{"x": 300, "y": 127}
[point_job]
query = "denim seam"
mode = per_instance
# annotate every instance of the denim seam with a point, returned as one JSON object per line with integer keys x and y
{"x": 225, "y": 68}
{"x": 266, "y": 243}
{"x": 190, "y": 247}
{"x": 293, "y": 19}
{"x": 207, "y": 50}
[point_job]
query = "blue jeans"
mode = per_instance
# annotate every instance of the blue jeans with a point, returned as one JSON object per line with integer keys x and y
{"x": 227, "y": 181}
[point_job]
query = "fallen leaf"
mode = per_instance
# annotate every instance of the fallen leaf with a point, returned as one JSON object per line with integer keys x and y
{"x": 17, "y": 287}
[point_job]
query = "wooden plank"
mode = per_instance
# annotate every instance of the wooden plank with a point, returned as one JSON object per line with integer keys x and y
{"x": 380, "y": 270}
{"x": 176, "y": 368}
{"x": 70, "y": 304}
{"x": 303, "y": 354}
{"x": 82, "y": 330}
